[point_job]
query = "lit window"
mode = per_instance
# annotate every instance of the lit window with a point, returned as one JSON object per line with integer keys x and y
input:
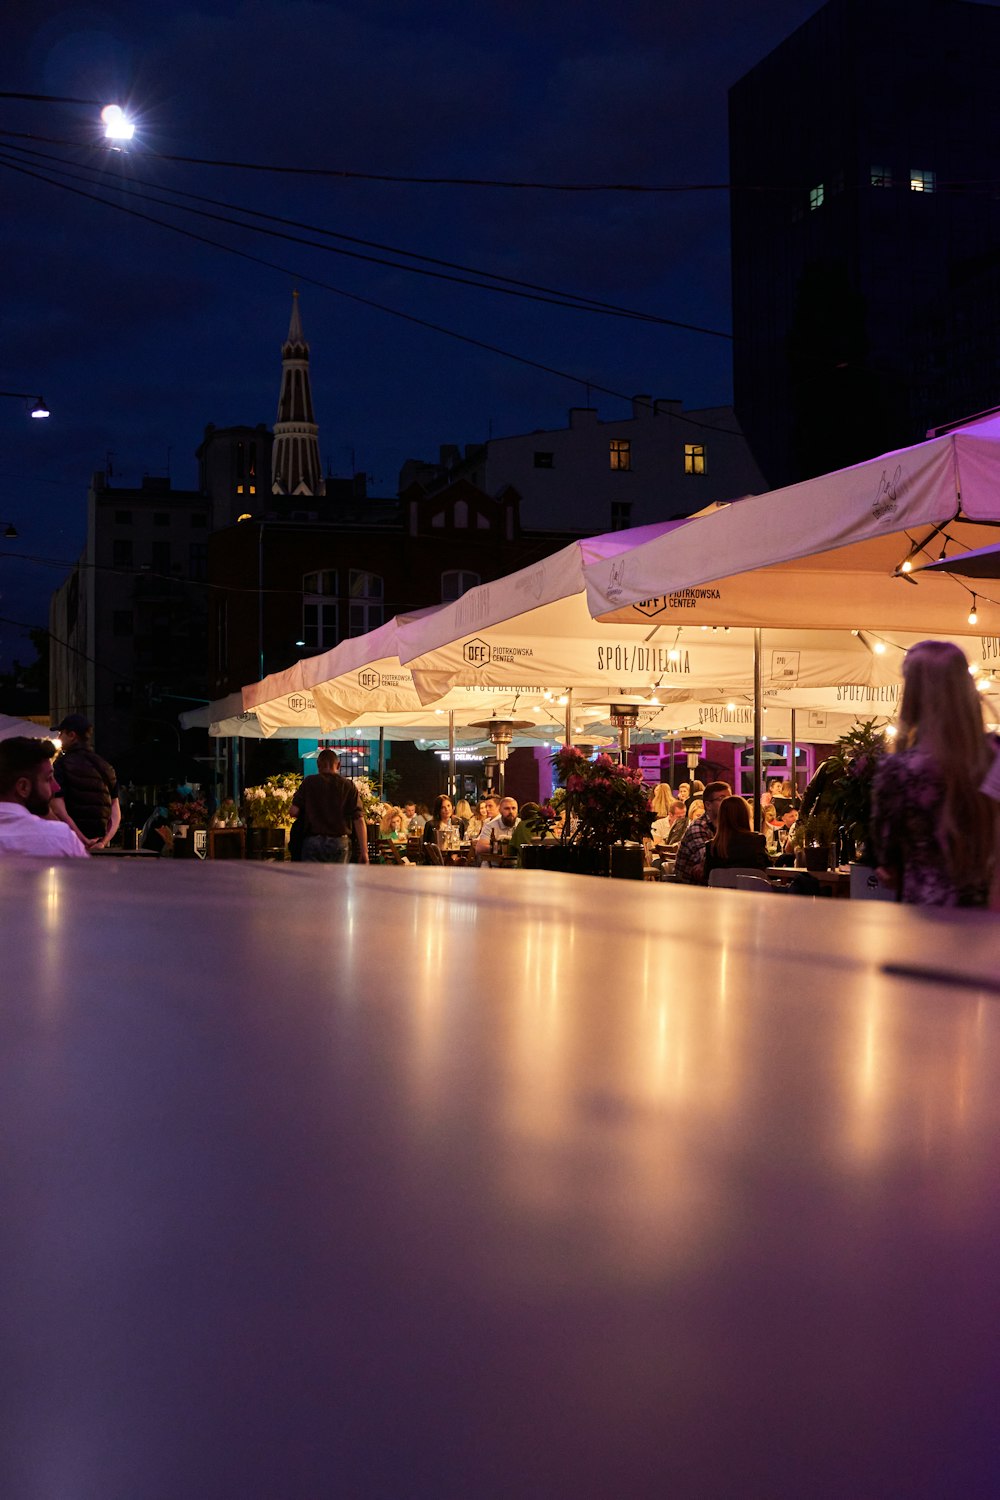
{"x": 881, "y": 177}
{"x": 922, "y": 182}
{"x": 621, "y": 514}
{"x": 694, "y": 458}
{"x": 620, "y": 453}
{"x": 239, "y": 489}
{"x": 365, "y": 608}
{"x": 457, "y": 582}
{"x": 253, "y": 489}
{"x": 816, "y": 196}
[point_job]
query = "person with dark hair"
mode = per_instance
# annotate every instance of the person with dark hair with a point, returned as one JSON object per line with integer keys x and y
{"x": 933, "y": 826}
{"x": 690, "y": 866}
{"x": 26, "y": 790}
{"x": 735, "y": 846}
{"x": 330, "y": 805}
{"x": 444, "y": 831}
{"x": 86, "y": 791}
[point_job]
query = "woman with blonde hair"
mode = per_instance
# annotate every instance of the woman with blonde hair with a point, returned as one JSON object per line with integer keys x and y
{"x": 659, "y": 802}
{"x": 933, "y": 829}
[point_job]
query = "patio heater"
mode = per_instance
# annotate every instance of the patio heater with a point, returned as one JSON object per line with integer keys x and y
{"x": 691, "y": 745}
{"x": 624, "y": 717}
{"x": 501, "y": 733}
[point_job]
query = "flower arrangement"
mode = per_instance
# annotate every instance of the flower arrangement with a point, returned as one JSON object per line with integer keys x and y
{"x": 189, "y": 810}
{"x": 269, "y": 805}
{"x": 372, "y": 806}
{"x": 847, "y": 776}
{"x": 605, "y": 802}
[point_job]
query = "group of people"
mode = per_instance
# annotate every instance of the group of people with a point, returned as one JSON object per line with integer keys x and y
{"x": 935, "y": 824}
{"x": 57, "y": 804}
{"x": 935, "y": 815}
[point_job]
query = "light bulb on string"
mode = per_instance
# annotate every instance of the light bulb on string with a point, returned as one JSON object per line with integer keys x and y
{"x": 973, "y": 616}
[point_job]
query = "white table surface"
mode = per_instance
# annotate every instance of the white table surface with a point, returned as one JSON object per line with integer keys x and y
{"x": 394, "y": 1183}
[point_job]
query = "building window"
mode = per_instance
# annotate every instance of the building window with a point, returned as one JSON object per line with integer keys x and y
{"x": 921, "y": 181}
{"x": 620, "y": 453}
{"x": 199, "y": 518}
{"x": 123, "y": 518}
{"x": 121, "y": 553}
{"x": 621, "y": 514}
{"x": 365, "y": 608}
{"x": 239, "y": 489}
{"x": 881, "y": 177}
{"x": 457, "y": 582}
{"x": 319, "y": 625}
{"x": 121, "y": 622}
{"x": 159, "y": 557}
{"x": 161, "y": 518}
{"x": 324, "y": 584}
{"x": 694, "y": 458}
{"x": 816, "y": 196}
{"x": 198, "y": 561}
{"x": 319, "y": 610}
{"x": 544, "y": 460}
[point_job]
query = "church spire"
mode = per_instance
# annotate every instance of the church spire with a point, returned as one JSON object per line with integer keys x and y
{"x": 295, "y": 463}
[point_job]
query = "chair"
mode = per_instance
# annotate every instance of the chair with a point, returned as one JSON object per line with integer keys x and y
{"x": 388, "y": 854}
{"x": 734, "y": 879}
{"x": 415, "y": 850}
{"x": 433, "y": 855}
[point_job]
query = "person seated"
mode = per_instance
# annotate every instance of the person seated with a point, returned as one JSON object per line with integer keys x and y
{"x": 684, "y": 792}
{"x": 415, "y": 817}
{"x": 475, "y": 823}
{"x": 669, "y": 830}
{"x": 735, "y": 845}
{"x": 526, "y": 831}
{"x": 393, "y": 825}
{"x": 770, "y": 823}
{"x": 497, "y": 832}
{"x": 444, "y": 830}
{"x": 27, "y": 783}
{"x": 464, "y": 813}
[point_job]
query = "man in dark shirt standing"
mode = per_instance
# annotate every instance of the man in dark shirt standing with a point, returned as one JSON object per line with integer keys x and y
{"x": 330, "y": 805}
{"x": 86, "y": 791}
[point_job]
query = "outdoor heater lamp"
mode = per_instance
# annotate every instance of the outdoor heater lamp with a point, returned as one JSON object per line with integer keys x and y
{"x": 501, "y": 733}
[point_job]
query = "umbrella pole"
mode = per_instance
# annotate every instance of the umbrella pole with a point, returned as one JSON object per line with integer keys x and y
{"x": 235, "y": 756}
{"x": 381, "y": 763}
{"x": 792, "y": 753}
{"x": 569, "y": 717}
{"x": 757, "y": 746}
{"x": 451, "y": 754}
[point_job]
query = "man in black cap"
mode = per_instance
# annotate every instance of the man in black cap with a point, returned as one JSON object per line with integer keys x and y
{"x": 86, "y": 794}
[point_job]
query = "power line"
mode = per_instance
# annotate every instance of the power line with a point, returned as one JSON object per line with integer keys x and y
{"x": 510, "y": 286}
{"x": 303, "y": 277}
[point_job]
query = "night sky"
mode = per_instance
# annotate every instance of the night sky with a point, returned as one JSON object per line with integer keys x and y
{"x": 137, "y": 337}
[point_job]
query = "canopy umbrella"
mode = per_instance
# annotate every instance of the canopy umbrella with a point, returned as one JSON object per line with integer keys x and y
{"x": 844, "y": 549}
{"x": 12, "y": 728}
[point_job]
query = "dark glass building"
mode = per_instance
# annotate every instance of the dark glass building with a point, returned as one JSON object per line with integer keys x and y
{"x": 865, "y": 166}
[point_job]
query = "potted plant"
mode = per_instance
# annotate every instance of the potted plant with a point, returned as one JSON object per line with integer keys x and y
{"x": 186, "y": 814}
{"x": 606, "y": 809}
{"x": 816, "y": 835}
{"x": 267, "y": 811}
{"x": 843, "y": 786}
{"x": 373, "y": 809}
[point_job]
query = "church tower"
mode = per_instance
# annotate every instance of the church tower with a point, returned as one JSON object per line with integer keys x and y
{"x": 295, "y": 463}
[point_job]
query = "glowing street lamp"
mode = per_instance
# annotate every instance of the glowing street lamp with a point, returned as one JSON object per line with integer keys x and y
{"x": 39, "y": 407}
{"x": 117, "y": 125}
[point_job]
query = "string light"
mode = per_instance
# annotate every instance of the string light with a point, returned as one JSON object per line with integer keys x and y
{"x": 973, "y": 616}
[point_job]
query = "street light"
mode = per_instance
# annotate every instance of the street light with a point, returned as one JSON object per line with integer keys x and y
{"x": 10, "y": 533}
{"x": 39, "y": 409}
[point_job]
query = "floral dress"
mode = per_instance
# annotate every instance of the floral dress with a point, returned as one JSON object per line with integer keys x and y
{"x": 907, "y": 795}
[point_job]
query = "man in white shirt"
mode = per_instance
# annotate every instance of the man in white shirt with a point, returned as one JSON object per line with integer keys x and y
{"x": 497, "y": 831}
{"x": 26, "y": 786}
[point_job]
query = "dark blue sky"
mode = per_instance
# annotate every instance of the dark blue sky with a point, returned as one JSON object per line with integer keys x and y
{"x": 138, "y": 337}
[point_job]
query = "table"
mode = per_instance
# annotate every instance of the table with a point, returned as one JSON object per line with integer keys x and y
{"x": 839, "y": 881}
{"x": 302, "y": 1200}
